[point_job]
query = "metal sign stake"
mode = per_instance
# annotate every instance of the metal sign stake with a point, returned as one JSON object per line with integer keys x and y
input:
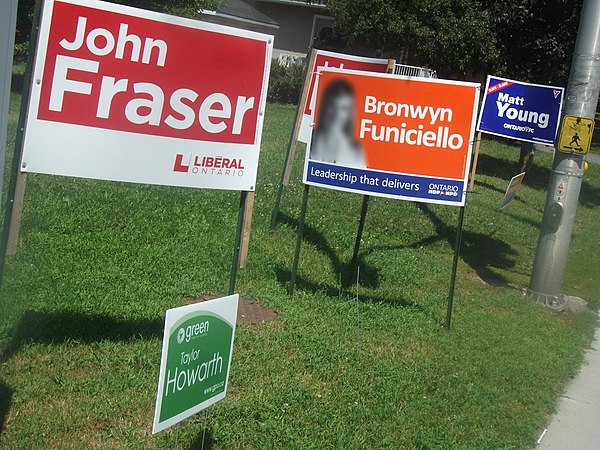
{"x": 457, "y": 242}
{"x": 361, "y": 226}
{"x": 299, "y": 238}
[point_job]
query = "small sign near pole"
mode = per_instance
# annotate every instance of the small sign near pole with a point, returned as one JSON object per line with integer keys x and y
{"x": 511, "y": 190}
{"x": 196, "y": 357}
{"x": 575, "y": 135}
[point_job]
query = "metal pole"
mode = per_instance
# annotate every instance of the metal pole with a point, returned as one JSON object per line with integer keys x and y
{"x": 204, "y": 429}
{"x": 238, "y": 240}
{"x": 291, "y": 150}
{"x": 561, "y": 203}
{"x": 8, "y": 20}
{"x": 475, "y": 161}
{"x": 16, "y": 162}
{"x": 457, "y": 242}
{"x": 299, "y": 239}
{"x": 361, "y": 226}
{"x": 275, "y": 212}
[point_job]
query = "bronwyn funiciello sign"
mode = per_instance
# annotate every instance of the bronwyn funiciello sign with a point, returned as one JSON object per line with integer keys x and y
{"x": 196, "y": 356}
{"x": 523, "y": 111}
{"x": 392, "y": 136}
{"x": 131, "y": 95}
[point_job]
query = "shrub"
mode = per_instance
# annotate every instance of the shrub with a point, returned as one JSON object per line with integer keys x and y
{"x": 20, "y": 51}
{"x": 285, "y": 83}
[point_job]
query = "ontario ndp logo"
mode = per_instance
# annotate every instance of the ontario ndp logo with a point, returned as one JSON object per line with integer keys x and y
{"x": 444, "y": 190}
{"x": 209, "y": 165}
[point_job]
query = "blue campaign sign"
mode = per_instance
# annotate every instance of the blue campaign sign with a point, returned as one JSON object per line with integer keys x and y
{"x": 518, "y": 110}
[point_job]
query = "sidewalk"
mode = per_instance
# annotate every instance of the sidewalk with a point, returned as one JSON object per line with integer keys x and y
{"x": 576, "y": 425}
{"x": 592, "y": 158}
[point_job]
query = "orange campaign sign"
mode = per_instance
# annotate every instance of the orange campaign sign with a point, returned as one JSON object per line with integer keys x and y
{"x": 392, "y": 136}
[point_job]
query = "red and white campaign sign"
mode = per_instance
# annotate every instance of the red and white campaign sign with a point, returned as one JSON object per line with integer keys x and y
{"x": 325, "y": 59}
{"x": 131, "y": 95}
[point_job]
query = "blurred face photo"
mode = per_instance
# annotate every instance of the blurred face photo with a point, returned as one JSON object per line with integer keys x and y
{"x": 333, "y": 139}
{"x": 338, "y": 112}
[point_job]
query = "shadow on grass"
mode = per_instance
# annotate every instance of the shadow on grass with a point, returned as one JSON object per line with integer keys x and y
{"x": 43, "y": 327}
{"x": 528, "y": 221}
{"x": 284, "y": 275}
{"x": 369, "y": 275}
{"x": 6, "y": 394}
{"x": 196, "y": 444}
{"x": 491, "y": 187}
{"x": 537, "y": 178}
{"x": 480, "y": 251}
{"x": 589, "y": 196}
{"x": 17, "y": 81}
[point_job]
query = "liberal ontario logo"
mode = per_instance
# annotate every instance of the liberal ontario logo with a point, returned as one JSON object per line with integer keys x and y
{"x": 209, "y": 165}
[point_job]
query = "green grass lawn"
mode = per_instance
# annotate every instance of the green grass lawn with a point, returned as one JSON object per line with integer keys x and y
{"x": 83, "y": 303}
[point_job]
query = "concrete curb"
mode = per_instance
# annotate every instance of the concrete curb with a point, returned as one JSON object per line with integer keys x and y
{"x": 592, "y": 158}
{"x": 576, "y": 425}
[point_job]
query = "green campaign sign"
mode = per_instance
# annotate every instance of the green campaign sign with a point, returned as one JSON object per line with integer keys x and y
{"x": 196, "y": 356}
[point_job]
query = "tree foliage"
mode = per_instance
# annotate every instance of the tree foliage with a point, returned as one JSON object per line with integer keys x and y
{"x": 526, "y": 39}
{"x": 535, "y": 38}
{"x": 532, "y": 40}
{"x": 453, "y": 36}
{"x": 186, "y": 8}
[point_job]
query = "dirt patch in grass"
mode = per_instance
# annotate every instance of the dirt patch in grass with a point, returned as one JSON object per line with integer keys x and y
{"x": 250, "y": 312}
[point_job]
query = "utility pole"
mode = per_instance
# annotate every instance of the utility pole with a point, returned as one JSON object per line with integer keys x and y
{"x": 581, "y": 100}
{"x": 8, "y": 17}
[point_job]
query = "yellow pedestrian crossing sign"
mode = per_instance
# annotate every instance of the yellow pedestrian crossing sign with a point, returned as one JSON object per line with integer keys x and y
{"x": 576, "y": 135}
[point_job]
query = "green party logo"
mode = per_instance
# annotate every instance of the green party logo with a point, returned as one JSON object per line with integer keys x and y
{"x": 180, "y": 336}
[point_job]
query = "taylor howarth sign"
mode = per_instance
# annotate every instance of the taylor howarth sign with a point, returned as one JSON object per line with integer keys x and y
{"x": 518, "y": 110}
{"x": 392, "y": 136}
{"x": 131, "y": 95}
{"x": 196, "y": 356}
